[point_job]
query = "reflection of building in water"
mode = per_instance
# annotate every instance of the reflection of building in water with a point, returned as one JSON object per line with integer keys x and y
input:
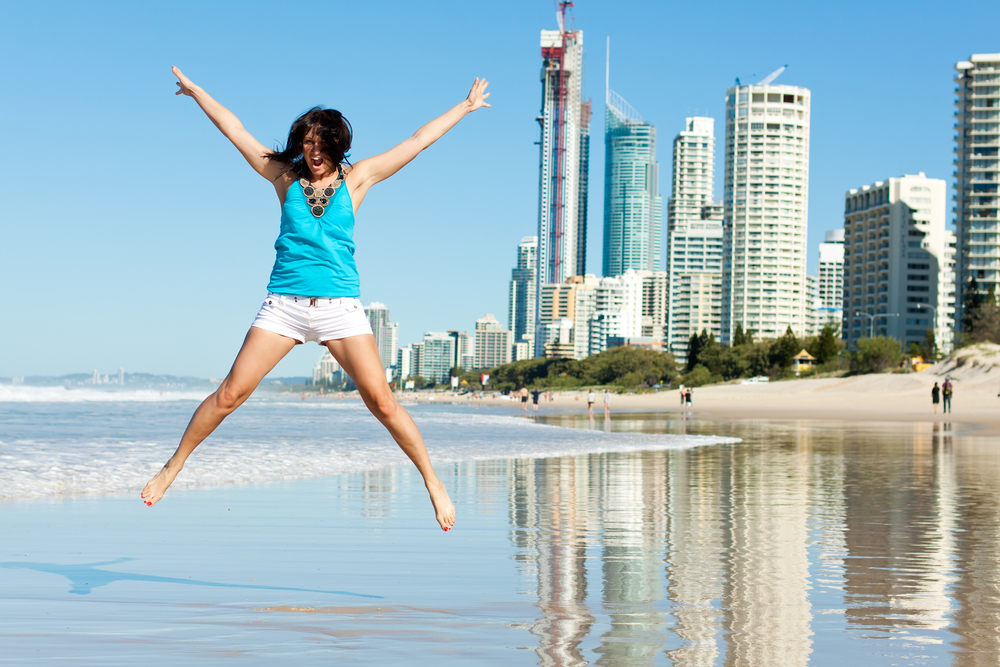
{"x": 899, "y": 527}
{"x": 632, "y": 498}
{"x": 769, "y": 610}
{"x": 696, "y": 544}
{"x": 549, "y": 506}
{"x": 975, "y": 559}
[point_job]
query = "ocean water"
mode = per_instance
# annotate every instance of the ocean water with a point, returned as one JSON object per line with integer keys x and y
{"x": 59, "y": 441}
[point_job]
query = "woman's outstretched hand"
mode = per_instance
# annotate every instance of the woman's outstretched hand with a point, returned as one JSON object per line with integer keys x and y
{"x": 183, "y": 83}
{"x": 477, "y": 96}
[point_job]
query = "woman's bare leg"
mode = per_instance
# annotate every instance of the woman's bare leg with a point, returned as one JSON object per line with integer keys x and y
{"x": 359, "y": 357}
{"x": 261, "y": 352}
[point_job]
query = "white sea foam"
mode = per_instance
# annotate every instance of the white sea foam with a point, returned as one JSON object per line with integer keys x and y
{"x": 92, "y": 448}
{"x": 60, "y": 394}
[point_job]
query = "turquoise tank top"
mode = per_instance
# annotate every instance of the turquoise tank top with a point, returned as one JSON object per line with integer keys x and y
{"x": 315, "y": 256}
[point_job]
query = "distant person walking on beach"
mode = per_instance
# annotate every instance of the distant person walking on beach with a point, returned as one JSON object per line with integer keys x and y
{"x": 607, "y": 402}
{"x": 683, "y": 396}
{"x": 946, "y": 392}
{"x": 524, "y": 399}
{"x": 590, "y": 402}
{"x": 935, "y": 396}
{"x": 314, "y": 290}
{"x": 535, "y": 395}
{"x": 687, "y": 397}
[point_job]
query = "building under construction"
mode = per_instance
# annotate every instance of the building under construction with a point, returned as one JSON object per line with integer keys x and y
{"x": 563, "y": 161}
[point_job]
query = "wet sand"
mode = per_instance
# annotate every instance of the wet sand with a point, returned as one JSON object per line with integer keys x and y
{"x": 820, "y": 543}
{"x": 888, "y": 397}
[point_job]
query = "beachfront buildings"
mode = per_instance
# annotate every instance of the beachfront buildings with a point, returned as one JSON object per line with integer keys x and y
{"x": 521, "y": 311}
{"x": 830, "y": 282}
{"x": 326, "y": 370}
{"x": 385, "y": 331}
{"x": 436, "y": 356}
{"x": 694, "y": 238}
{"x": 977, "y": 175}
{"x": 580, "y": 315}
{"x": 632, "y": 204}
{"x": 765, "y": 201}
{"x": 465, "y": 350}
{"x": 564, "y": 147}
{"x": 493, "y": 344}
{"x": 897, "y": 278}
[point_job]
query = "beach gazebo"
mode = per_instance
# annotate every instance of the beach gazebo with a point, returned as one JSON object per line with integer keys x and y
{"x": 802, "y": 360}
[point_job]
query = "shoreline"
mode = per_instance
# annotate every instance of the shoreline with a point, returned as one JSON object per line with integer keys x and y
{"x": 884, "y": 398}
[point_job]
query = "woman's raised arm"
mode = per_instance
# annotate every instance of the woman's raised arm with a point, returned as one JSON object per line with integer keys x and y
{"x": 231, "y": 127}
{"x": 370, "y": 171}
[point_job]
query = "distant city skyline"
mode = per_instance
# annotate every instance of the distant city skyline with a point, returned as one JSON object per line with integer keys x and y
{"x": 170, "y": 286}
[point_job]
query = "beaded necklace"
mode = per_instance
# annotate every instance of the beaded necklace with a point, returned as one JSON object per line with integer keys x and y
{"x": 319, "y": 198}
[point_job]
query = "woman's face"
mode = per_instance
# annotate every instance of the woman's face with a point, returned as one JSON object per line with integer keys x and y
{"x": 319, "y": 164}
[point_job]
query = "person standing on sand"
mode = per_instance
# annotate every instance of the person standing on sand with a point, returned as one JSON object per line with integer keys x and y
{"x": 687, "y": 397}
{"x": 314, "y": 291}
{"x": 524, "y": 398}
{"x": 590, "y": 401}
{"x": 935, "y": 396}
{"x": 607, "y": 402}
{"x": 683, "y": 396}
{"x": 946, "y": 391}
{"x": 534, "y": 399}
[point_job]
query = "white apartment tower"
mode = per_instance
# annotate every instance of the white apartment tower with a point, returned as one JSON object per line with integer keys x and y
{"x": 977, "y": 175}
{"x": 897, "y": 278}
{"x": 765, "y": 203}
{"x": 493, "y": 345}
{"x": 830, "y": 283}
{"x": 386, "y": 332}
{"x": 694, "y": 238}
{"x": 563, "y": 161}
{"x": 521, "y": 311}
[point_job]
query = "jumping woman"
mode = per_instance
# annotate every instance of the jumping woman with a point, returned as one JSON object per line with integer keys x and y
{"x": 314, "y": 289}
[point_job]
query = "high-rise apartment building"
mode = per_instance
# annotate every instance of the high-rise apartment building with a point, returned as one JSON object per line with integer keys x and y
{"x": 897, "y": 278}
{"x": 386, "y": 332}
{"x": 465, "y": 350}
{"x": 437, "y": 356}
{"x": 655, "y": 302}
{"x": 765, "y": 201}
{"x": 694, "y": 238}
{"x": 564, "y": 149}
{"x": 830, "y": 281}
{"x": 408, "y": 361}
{"x": 521, "y": 311}
{"x": 977, "y": 175}
{"x": 493, "y": 344}
{"x": 325, "y": 370}
{"x": 632, "y": 204}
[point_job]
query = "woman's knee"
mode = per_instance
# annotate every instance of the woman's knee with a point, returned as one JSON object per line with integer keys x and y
{"x": 383, "y": 404}
{"x": 229, "y": 396}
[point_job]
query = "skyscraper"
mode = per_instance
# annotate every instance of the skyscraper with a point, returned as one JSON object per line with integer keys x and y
{"x": 830, "y": 283}
{"x": 897, "y": 278}
{"x": 563, "y": 161}
{"x": 632, "y": 204}
{"x": 521, "y": 310}
{"x": 977, "y": 176}
{"x": 386, "y": 332}
{"x": 765, "y": 206}
{"x": 694, "y": 238}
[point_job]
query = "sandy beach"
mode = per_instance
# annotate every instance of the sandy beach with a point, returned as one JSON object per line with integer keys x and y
{"x": 895, "y": 397}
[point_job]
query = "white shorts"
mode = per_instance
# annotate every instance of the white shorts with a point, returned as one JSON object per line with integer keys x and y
{"x": 307, "y": 318}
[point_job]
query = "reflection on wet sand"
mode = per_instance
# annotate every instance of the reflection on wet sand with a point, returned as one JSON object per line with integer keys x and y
{"x": 729, "y": 554}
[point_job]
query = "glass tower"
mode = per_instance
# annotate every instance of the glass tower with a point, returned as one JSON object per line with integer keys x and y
{"x": 632, "y": 203}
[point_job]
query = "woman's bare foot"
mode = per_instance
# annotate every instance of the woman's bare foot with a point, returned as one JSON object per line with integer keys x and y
{"x": 156, "y": 487}
{"x": 443, "y": 509}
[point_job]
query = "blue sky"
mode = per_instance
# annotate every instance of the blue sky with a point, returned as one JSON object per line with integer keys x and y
{"x": 134, "y": 235}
